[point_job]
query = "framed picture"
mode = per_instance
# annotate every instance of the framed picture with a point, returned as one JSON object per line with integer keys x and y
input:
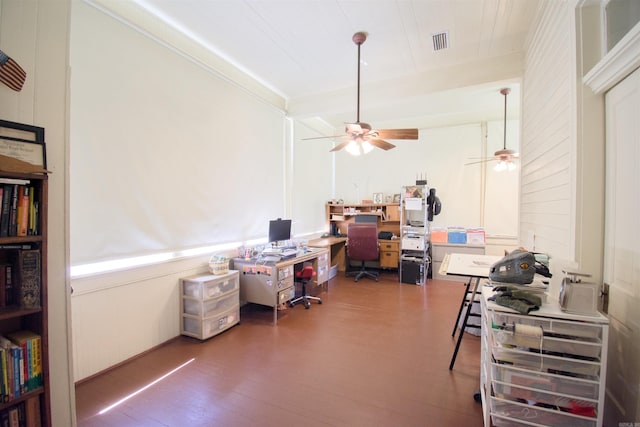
{"x": 377, "y": 198}
{"x": 396, "y": 198}
{"x": 23, "y": 142}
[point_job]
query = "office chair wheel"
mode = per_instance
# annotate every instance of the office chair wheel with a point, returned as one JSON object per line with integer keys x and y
{"x": 307, "y": 305}
{"x": 319, "y": 301}
{"x": 291, "y": 304}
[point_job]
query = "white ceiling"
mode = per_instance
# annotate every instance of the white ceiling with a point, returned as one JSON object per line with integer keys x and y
{"x": 303, "y": 50}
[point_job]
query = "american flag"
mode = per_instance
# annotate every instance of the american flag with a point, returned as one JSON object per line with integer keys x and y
{"x": 11, "y": 73}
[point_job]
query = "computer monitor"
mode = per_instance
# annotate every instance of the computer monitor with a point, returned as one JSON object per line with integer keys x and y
{"x": 279, "y": 230}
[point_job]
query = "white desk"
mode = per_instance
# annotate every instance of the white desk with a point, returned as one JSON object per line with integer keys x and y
{"x": 475, "y": 267}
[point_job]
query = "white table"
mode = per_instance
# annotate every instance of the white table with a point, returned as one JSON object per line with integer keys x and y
{"x": 474, "y": 267}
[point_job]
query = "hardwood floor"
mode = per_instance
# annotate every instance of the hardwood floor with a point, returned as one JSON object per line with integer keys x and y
{"x": 373, "y": 354}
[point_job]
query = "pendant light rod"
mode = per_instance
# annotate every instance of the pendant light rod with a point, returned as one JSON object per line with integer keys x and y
{"x": 505, "y": 92}
{"x": 359, "y": 38}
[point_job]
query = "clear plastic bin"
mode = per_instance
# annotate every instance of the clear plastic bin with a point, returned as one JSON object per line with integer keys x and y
{"x": 210, "y": 326}
{"x": 206, "y": 287}
{"x": 212, "y": 307}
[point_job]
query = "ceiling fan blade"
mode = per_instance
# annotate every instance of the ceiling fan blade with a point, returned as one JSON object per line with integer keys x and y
{"x": 480, "y": 161}
{"x": 322, "y": 137}
{"x": 398, "y": 133}
{"x": 381, "y": 144}
{"x": 340, "y": 146}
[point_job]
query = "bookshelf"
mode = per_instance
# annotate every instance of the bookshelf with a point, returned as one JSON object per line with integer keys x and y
{"x": 340, "y": 215}
{"x": 25, "y": 393}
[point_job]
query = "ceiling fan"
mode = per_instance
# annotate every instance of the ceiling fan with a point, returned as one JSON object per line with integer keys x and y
{"x": 359, "y": 137}
{"x": 505, "y": 157}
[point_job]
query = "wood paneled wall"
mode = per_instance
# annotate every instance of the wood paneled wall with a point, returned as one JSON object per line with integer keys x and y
{"x": 547, "y": 200}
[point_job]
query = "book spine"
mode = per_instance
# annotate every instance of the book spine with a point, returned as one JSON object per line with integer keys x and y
{"x": 3, "y": 375}
{"x": 5, "y": 212}
{"x": 30, "y": 383}
{"x": 37, "y": 362}
{"x": 28, "y": 284}
{"x": 13, "y": 214}
{"x": 8, "y": 290}
{"x": 32, "y": 217}
{"x": 23, "y": 211}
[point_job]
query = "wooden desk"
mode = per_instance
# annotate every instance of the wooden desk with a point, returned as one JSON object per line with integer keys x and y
{"x": 337, "y": 249}
{"x": 389, "y": 251}
{"x": 475, "y": 267}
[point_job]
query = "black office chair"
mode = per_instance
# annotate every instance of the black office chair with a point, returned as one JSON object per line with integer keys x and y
{"x": 304, "y": 276}
{"x": 363, "y": 246}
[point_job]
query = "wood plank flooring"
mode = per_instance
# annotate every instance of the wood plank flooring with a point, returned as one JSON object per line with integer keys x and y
{"x": 373, "y": 354}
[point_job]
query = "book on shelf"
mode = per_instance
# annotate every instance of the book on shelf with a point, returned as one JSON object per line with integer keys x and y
{"x": 30, "y": 343}
{"x": 5, "y": 209}
{"x": 19, "y": 209}
{"x": 6, "y": 270}
{"x": 27, "y": 283}
{"x": 13, "y": 211}
{"x": 22, "y": 218}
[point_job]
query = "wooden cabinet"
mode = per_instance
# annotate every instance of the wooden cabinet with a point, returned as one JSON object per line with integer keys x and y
{"x": 340, "y": 215}
{"x": 389, "y": 253}
{"x": 23, "y": 300}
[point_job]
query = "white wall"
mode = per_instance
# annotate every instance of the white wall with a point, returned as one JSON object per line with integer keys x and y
{"x": 34, "y": 33}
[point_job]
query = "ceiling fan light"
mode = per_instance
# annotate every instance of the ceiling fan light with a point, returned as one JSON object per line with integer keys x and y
{"x": 500, "y": 166}
{"x": 353, "y": 148}
{"x": 511, "y": 166}
{"x": 366, "y": 147}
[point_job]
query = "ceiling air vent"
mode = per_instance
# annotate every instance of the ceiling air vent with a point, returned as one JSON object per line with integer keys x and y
{"x": 440, "y": 40}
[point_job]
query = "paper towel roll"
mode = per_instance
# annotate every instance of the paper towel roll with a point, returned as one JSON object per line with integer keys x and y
{"x": 528, "y": 335}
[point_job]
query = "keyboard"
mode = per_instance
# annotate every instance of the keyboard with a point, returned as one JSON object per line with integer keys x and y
{"x": 289, "y": 252}
{"x": 270, "y": 258}
{"x": 271, "y": 251}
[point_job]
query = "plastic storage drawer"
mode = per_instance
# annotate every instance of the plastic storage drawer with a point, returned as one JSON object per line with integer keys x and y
{"x": 586, "y": 332}
{"x": 204, "y": 328}
{"x": 576, "y": 387}
{"x": 560, "y": 346}
{"x": 206, "y": 287}
{"x": 547, "y": 363}
{"x": 531, "y": 395}
{"x": 538, "y": 415}
{"x": 211, "y": 307}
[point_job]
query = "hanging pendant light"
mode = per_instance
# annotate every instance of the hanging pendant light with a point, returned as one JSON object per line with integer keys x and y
{"x": 505, "y": 157}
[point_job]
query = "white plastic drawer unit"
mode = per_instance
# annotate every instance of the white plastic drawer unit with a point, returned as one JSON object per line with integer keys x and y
{"x": 207, "y": 327}
{"x": 210, "y": 286}
{"x": 209, "y": 304}
{"x": 210, "y": 307}
{"x": 542, "y": 369}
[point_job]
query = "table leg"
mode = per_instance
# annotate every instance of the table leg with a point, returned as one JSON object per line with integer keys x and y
{"x": 464, "y": 323}
{"x": 464, "y": 298}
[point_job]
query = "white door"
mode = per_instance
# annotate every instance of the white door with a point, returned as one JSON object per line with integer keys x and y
{"x": 622, "y": 251}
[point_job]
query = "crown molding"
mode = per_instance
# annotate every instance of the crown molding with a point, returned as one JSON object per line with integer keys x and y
{"x": 617, "y": 64}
